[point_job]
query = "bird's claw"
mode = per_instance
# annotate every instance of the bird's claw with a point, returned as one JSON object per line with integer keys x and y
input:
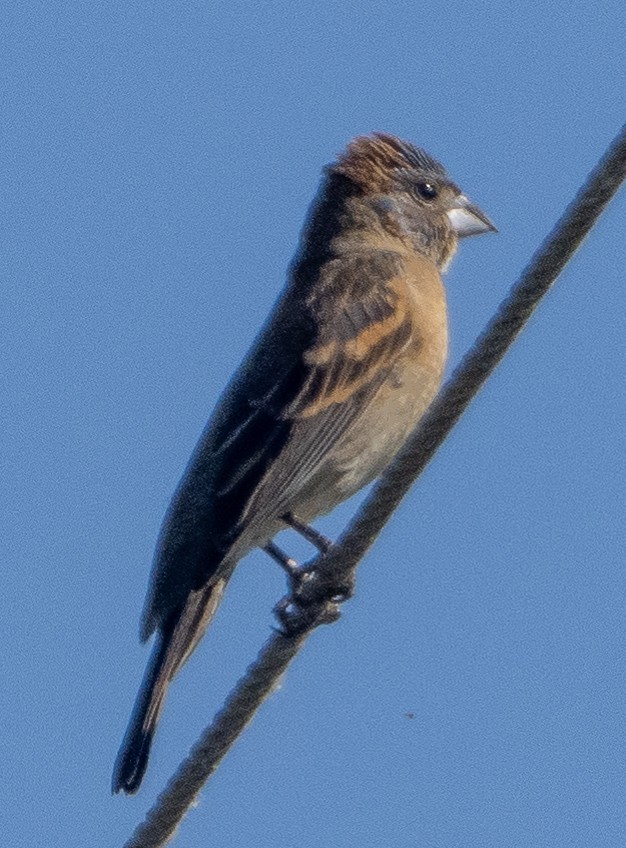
{"x": 310, "y": 602}
{"x": 295, "y": 619}
{"x": 313, "y": 589}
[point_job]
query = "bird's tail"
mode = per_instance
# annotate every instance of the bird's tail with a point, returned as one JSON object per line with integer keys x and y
{"x": 175, "y": 643}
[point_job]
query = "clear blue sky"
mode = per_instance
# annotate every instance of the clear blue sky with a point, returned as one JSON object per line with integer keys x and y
{"x": 156, "y": 163}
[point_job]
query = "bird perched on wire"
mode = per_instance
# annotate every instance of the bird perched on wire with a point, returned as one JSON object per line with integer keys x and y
{"x": 348, "y": 362}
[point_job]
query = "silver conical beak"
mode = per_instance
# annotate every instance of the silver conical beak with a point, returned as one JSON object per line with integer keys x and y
{"x": 469, "y": 220}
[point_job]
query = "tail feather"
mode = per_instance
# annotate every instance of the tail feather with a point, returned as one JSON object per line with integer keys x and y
{"x": 175, "y": 643}
{"x": 132, "y": 759}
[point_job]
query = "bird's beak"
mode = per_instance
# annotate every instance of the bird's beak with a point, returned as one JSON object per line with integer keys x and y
{"x": 469, "y": 220}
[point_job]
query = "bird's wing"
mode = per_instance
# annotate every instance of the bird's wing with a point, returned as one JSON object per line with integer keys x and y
{"x": 361, "y": 310}
{"x": 315, "y": 367}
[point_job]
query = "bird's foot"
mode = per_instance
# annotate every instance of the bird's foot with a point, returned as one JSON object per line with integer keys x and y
{"x": 294, "y": 619}
{"x": 310, "y": 601}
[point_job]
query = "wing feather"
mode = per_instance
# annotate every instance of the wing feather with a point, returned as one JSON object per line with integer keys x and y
{"x": 327, "y": 348}
{"x": 364, "y": 323}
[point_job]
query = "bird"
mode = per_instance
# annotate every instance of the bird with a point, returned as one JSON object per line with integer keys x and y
{"x": 349, "y": 360}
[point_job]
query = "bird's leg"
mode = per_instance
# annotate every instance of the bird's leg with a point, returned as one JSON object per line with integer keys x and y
{"x": 321, "y": 542}
{"x": 341, "y": 592}
{"x": 298, "y": 574}
{"x": 303, "y": 574}
{"x": 287, "y": 563}
{"x": 294, "y": 613}
{"x": 292, "y": 618}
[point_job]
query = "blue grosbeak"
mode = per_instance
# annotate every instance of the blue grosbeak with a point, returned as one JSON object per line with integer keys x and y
{"x": 348, "y": 362}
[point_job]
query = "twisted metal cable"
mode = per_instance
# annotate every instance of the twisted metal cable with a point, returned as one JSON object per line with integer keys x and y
{"x": 339, "y": 564}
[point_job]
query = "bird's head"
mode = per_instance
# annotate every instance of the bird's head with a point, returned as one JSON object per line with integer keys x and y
{"x": 413, "y": 192}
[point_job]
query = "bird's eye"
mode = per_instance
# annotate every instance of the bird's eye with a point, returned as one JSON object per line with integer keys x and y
{"x": 427, "y": 191}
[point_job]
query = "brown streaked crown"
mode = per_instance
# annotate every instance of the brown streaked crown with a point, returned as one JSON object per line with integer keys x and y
{"x": 369, "y": 161}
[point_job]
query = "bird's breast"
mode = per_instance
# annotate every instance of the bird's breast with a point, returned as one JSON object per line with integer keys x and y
{"x": 372, "y": 442}
{"x": 414, "y": 380}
